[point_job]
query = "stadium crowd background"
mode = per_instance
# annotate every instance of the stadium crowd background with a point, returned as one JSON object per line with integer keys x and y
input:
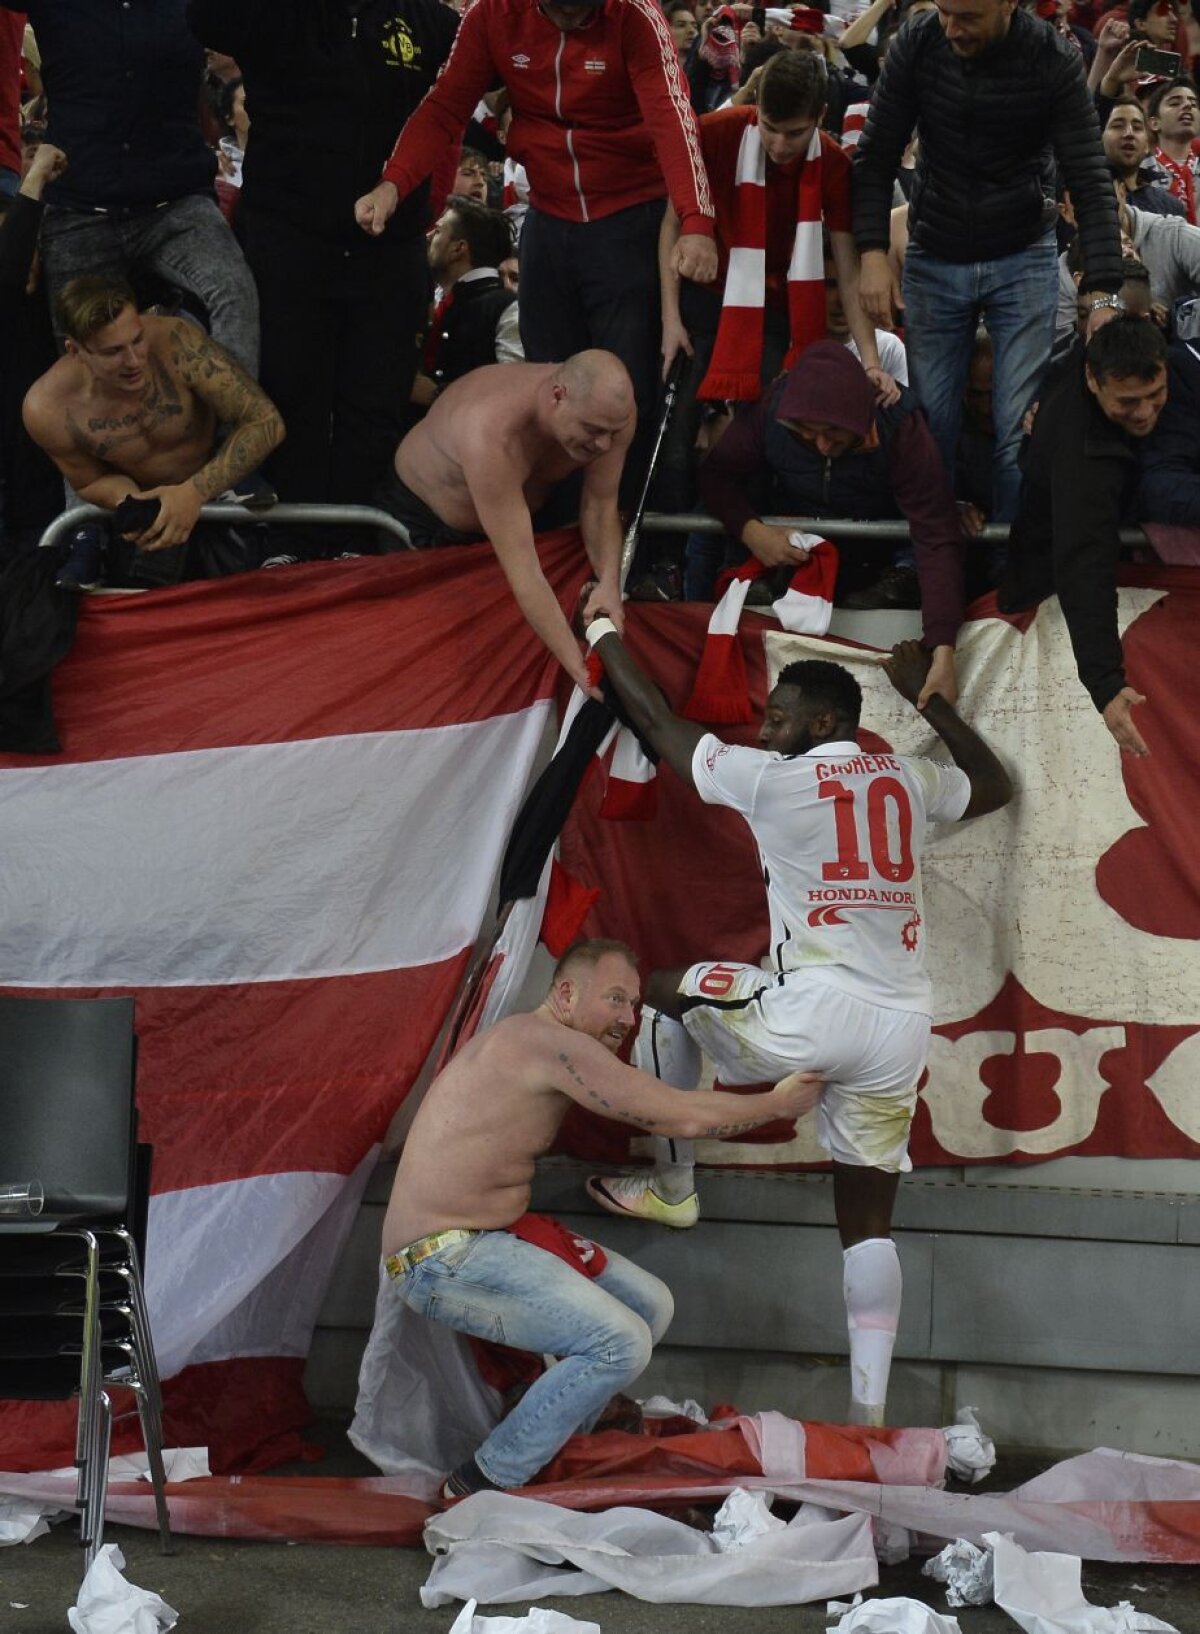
{"x": 214, "y": 155}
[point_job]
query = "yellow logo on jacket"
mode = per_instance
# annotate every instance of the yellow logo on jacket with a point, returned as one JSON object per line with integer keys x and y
{"x": 400, "y": 50}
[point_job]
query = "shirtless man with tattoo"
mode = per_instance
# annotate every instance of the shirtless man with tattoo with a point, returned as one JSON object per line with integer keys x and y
{"x": 486, "y": 456}
{"x": 146, "y": 407}
{"x": 459, "y": 1245}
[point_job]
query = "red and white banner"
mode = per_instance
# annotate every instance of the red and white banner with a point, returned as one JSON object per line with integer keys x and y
{"x": 276, "y": 821}
{"x": 280, "y": 806}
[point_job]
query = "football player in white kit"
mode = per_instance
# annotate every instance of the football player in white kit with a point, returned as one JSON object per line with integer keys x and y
{"x": 839, "y": 833}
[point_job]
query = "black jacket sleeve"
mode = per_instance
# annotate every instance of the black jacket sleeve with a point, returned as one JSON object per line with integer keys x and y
{"x": 1170, "y": 486}
{"x": 18, "y": 240}
{"x": 890, "y": 123}
{"x": 1086, "y": 500}
{"x": 1076, "y": 137}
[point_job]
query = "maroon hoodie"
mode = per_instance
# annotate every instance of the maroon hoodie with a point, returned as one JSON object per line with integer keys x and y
{"x": 896, "y": 469}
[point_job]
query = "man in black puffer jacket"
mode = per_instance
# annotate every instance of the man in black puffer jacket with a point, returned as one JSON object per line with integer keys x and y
{"x": 998, "y": 97}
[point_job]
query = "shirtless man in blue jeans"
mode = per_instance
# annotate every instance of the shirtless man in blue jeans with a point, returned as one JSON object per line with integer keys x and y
{"x": 465, "y": 1178}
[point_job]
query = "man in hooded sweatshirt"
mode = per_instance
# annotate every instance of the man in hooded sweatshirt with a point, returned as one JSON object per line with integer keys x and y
{"x": 818, "y": 444}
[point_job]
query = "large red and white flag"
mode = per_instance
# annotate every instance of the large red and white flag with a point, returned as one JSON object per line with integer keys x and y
{"x": 276, "y": 821}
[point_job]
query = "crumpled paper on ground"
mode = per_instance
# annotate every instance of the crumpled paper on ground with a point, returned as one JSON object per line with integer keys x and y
{"x": 108, "y": 1604}
{"x": 895, "y": 1616}
{"x": 743, "y": 1517}
{"x": 504, "y": 1549}
{"x": 965, "y": 1570}
{"x": 970, "y": 1453}
{"x": 539, "y": 1621}
{"x": 1043, "y": 1594}
{"x": 23, "y": 1519}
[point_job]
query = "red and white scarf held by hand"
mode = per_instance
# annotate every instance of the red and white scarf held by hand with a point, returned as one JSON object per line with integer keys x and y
{"x": 734, "y": 372}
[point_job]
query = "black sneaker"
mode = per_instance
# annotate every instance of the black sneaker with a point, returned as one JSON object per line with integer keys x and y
{"x": 467, "y": 1479}
{"x": 82, "y": 568}
{"x": 895, "y": 589}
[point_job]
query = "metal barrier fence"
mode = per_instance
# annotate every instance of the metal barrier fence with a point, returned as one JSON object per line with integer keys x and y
{"x": 338, "y": 516}
{"x": 653, "y": 522}
{"x": 836, "y": 528}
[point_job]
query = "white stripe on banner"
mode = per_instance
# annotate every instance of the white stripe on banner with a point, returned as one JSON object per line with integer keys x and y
{"x": 746, "y": 279}
{"x": 241, "y": 1268}
{"x": 325, "y": 857}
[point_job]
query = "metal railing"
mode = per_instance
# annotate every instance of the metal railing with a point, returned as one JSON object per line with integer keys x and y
{"x": 833, "y": 527}
{"x": 359, "y": 516}
{"x": 338, "y": 516}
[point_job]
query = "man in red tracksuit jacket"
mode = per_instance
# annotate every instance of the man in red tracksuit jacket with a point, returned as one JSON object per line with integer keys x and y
{"x": 601, "y": 120}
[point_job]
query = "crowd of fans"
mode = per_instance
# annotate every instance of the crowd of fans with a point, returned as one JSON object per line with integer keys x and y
{"x": 246, "y": 245}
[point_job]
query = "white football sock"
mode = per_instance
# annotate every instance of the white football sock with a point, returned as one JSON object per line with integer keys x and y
{"x": 872, "y": 1285}
{"x": 664, "y": 1049}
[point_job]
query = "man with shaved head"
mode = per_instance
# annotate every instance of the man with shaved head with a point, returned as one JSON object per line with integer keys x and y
{"x": 485, "y": 458}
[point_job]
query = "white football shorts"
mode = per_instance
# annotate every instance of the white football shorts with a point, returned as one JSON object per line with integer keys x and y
{"x": 756, "y": 1028}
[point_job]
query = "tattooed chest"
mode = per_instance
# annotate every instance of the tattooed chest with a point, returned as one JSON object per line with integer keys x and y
{"x": 161, "y": 419}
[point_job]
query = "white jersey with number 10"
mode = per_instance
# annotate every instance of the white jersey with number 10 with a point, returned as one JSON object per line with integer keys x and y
{"x": 840, "y": 833}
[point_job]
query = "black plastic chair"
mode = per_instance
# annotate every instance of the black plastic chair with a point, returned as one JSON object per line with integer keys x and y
{"x": 72, "y": 1306}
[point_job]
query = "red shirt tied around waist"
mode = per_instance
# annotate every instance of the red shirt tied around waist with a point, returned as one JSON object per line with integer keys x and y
{"x": 601, "y": 114}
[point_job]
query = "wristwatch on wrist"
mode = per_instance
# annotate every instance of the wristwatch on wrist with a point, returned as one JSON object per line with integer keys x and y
{"x": 1107, "y": 303}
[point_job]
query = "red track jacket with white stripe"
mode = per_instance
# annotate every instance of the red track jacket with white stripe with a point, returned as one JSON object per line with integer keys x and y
{"x": 601, "y": 114}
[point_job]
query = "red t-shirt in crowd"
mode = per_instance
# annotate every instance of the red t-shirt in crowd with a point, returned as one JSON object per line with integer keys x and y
{"x": 720, "y": 139}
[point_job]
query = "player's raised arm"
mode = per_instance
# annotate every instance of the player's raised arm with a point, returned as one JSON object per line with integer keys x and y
{"x": 673, "y": 738}
{"x": 991, "y": 787}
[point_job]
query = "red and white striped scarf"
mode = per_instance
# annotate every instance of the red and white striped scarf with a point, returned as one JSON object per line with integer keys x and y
{"x": 737, "y": 357}
{"x": 720, "y": 693}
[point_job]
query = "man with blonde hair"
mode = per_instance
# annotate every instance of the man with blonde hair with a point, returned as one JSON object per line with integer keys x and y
{"x": 146, "y": 408}
{"x": 459, "y": 1245}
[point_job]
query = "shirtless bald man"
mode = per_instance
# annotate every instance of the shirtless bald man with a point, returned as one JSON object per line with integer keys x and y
{"x": 486, "y": 456}
{"x": 464, "y": 1183}
{"x": 146, "y": 407}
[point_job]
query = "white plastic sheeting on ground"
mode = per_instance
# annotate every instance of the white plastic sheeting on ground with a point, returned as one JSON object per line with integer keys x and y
{"x": 895, "y": 1616}
{"x": 1102, "y": 1505}
{"x": 508, "y": 1549}
{"x": 1043, "y": 1594}
{"x": 108, "y": 1604}
{"x": 540, "y": 1620}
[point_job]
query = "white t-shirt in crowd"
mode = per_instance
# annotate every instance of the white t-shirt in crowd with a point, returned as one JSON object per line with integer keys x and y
{"x": 840, "y": 834}
{"x": 892, "y": 355}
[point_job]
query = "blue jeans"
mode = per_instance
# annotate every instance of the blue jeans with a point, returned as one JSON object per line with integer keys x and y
{"x": 497, "y": 1287}
{"x": 944, "y": 301}
{"x": 187, "y": 243}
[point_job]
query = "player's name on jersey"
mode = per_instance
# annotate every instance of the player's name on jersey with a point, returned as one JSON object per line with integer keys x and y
{"x": 862, "y": 893}
{"x": 858, "y": 766}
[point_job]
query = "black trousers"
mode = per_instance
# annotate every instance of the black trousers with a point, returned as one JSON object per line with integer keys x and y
{"x": 595, "y": 283}
{"x": 341, "y": 330}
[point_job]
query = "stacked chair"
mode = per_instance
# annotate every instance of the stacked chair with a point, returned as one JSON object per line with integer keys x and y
{"x": 72, "y": 1306}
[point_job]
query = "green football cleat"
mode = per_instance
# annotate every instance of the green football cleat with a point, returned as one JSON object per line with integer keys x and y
{"x": 635, "y": 1197}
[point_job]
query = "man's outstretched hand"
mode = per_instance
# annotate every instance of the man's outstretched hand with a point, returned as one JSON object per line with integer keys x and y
{"x": 1118, "y": 717}
{"x": 798, "y": 1093}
